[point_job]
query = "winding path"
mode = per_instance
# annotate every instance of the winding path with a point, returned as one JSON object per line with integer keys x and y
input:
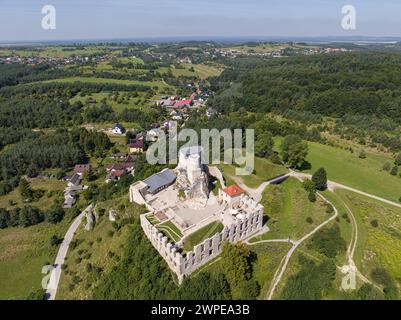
{"x": 55, "y": 275}
{"x": 257, "y": 195}
{"x": 335, "y": 185}
{"x": 284, "y": 263}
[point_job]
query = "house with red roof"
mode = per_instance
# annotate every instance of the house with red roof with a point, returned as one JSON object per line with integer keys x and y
{"x": 81, "y": 168}
{"x": 183, "y": 103}
{"x": 231, "y": 195}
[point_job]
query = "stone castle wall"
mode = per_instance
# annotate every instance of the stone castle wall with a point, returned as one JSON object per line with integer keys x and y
{"x": 208, "y": 249}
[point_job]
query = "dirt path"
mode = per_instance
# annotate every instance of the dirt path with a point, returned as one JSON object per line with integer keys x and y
{"x": 354, "y": 237}
{"x": 335, "y": 185}
{"x": 283, "y": 266}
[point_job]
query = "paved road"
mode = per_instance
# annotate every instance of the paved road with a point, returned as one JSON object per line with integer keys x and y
{"x": 51, "y": 290}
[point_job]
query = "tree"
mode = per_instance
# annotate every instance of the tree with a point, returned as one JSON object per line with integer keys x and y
{"x": 309, "y": 186}
{"x": 397, "y": 160}
{"x": 55, "y": 241}
{"x": 329, "y": 241}
{"x": 250, "y": 289}
{"x": 362, "y": 154}
{"x": 368, "y": 292}
{"x": 24, "y": 188}
{"x": 319, "y": 178}
{"x": 205, "y": 286}
{"x": 55, "y": 214}
{"x": 312, "y": 196}
{"x": 387, "y": 166}
{"x": 294, "y": 151}
{"x": 236, "y": 264}
{"x": 264, "y": 145}
{"x": 29, "y": 216}
{"x": 394, "y": 171}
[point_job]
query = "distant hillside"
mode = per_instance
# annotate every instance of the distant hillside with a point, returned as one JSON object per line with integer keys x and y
{"x": 359, "y": 83}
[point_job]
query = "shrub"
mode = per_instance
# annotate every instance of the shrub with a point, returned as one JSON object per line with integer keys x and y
{"x": 374, "y": 223}
{"x": 312, "y": 197}
{"x": 55, "y": 241}
{"x": 329, "y": 241}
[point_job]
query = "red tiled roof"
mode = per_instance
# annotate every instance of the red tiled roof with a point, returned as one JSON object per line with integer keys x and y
{"x": 233, "y": 190}
{"x": 81, "y": 168}
{"x": 117, "y": 173}
{"x": 183, "y": 103}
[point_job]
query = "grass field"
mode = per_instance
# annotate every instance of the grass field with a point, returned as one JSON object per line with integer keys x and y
{"x": 201, "y": 235}
{"x": 201, "y": 71}
{"x": 264, "y": 170}
{"x": 141, "y": 102}
{"x": 170, "y": 230}
{"x": 265, "y": 264}
{"x": 288, "y": 207}
{"x": 57, "y": 51}
{"x": 97, "y": 252}
{"x": 268, "y": 259}
{"x": 269, "y": 47}
{"x": 24, "y": 251}
{"x": 347, "y": 168}
{"x": 159, "y": 84}
{"x": 53, "y": 188}
{"x": 376, "y": 246}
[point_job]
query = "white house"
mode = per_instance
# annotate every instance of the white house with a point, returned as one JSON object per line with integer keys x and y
{"x": 152, "y": 134}
{"x": 231, "y": 195}
{"x": 118, "y": 129}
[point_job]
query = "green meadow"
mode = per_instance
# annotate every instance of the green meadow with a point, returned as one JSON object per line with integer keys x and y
{"x": 347, "y": 168}
{"x": 159, "y": 84}
{"x": 290, "y": 213}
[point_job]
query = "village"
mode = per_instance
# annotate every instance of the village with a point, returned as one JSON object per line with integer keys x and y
{"x": 123, "y": 162}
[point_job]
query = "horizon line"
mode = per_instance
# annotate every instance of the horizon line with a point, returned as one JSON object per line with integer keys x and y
{"x": 201, "y": 38}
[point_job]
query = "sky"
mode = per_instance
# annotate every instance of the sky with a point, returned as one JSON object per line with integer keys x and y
{"x": 21, "y": 20}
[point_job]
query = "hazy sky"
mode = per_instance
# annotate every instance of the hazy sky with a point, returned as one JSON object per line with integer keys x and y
{"x": 20, "y": 20}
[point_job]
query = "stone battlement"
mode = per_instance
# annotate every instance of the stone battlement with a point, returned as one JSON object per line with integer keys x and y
{"x": 239, "y": 228}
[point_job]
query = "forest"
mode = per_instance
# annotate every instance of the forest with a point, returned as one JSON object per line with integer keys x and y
{"x": 348, "y": 88}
